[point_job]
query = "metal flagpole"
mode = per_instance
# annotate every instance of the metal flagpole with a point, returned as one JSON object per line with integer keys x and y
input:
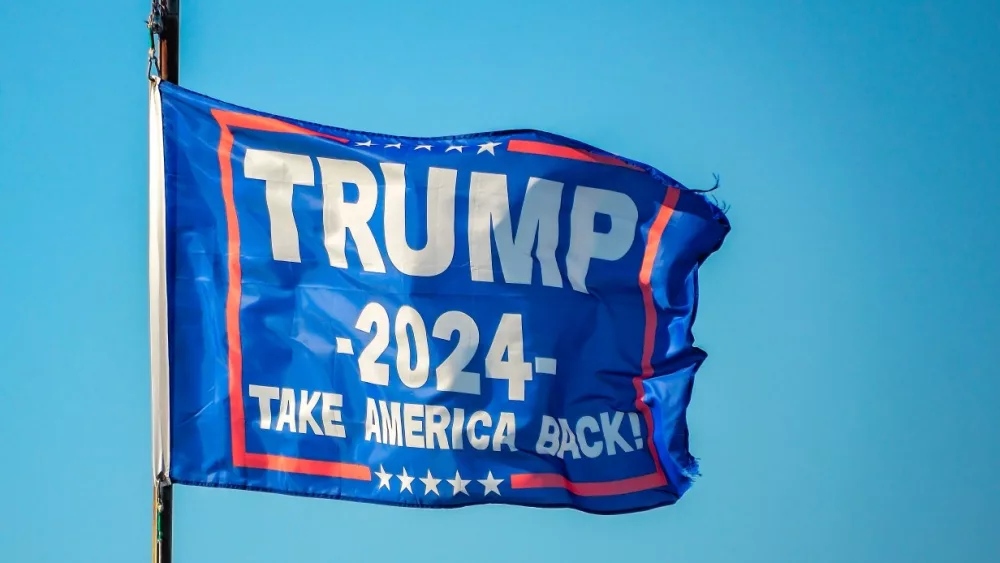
{"x": 170, "y": 40}
{"x": 164, "y": 25}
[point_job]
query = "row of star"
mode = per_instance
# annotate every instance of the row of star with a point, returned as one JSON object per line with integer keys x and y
{"x": 490, "y": 484}
{"x": 485, "y": 147}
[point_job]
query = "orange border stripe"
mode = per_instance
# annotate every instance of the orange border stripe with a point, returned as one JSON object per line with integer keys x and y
{"x": 599, "y": 489}
{"x": 308, "y": 466}
{"x": 559, "y": 151}
{"x": 649, "y": 340}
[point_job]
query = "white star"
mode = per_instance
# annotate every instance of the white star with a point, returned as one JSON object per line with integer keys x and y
{"x": 364, "y": 144}
{"x": 430, "y": 483}
{"x": 406, "y": 481}
{"x": 383, "y": 478}
{"x": 458, "y": 484}
{"x": 488, "y": 147}
{"x": 491, "y": 484}
{"x": 394, "y": 146}
{"x": 455, "y": 148}
{"x": 425, "y": 147}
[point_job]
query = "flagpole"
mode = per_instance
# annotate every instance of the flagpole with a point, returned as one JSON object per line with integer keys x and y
{"x": 164, "y": 520}
{"x": 164, "y": 23}
{"x": 170, "y": 41}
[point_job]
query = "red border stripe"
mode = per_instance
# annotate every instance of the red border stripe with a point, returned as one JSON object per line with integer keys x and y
{"x": 237, "y": 419}
{"x": 229, "y": 119}
{"x": 603, "y": 488}
{"x": 308, "y": 466}
{"x": 559, "y": 151}
{"x": 649, "y": 341}
{"x": 235, "y": 359}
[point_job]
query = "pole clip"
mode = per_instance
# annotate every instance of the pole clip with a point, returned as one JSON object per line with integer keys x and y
{"x": 154, "y": 23}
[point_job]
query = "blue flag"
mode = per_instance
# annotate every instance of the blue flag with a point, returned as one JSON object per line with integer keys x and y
{"x": 432, "y": 322}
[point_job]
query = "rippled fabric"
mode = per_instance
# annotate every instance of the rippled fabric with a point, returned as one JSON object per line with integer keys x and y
{"x": 531, "y": 344}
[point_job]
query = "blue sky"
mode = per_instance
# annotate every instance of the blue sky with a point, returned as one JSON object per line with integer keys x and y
{"x": 849, "y": 409}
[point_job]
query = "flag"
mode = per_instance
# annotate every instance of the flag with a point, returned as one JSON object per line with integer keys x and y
{"x": 428, "y": 322}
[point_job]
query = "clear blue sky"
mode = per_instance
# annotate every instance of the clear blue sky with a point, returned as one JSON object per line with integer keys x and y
{"x": 849, "y": 410}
